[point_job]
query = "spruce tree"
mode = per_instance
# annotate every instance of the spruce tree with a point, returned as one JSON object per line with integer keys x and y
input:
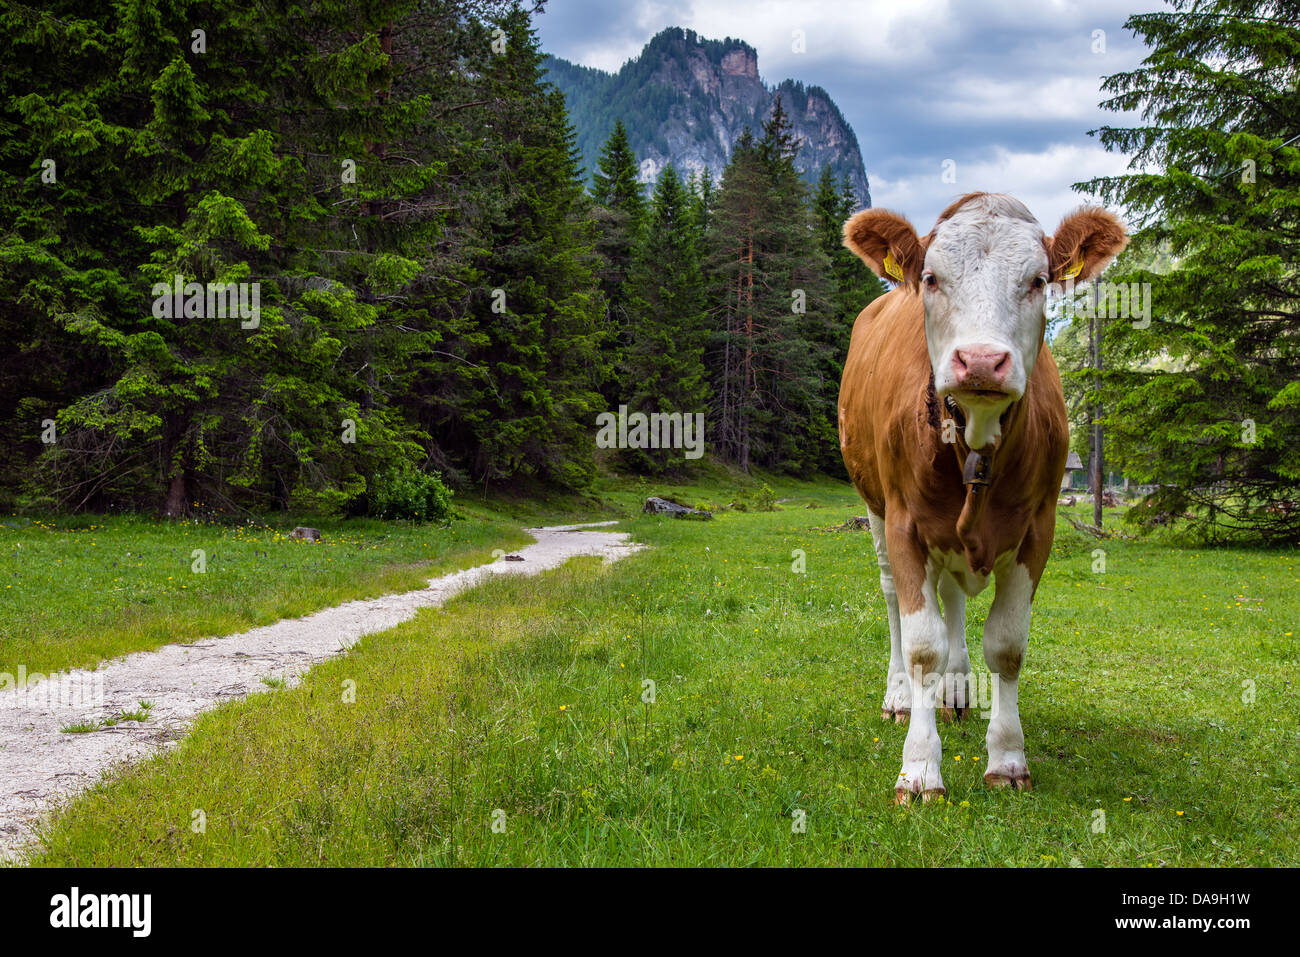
{"x": 770, "y": 311}
{"x": 615, "y": 184}
{"x": 619, "y": 213}
{"x": 1204, "y": 400}
{"x": 851, "y": 290}
{"x": 734, "y": 230}
{"x": 334, "y": 195}
{"x": 703, "y": 195}
{"x": 536, "y": 326}
{"x": 663, "y": 370}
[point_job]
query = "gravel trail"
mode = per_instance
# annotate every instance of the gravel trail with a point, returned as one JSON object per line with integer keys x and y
{"x": 42, "y": 765}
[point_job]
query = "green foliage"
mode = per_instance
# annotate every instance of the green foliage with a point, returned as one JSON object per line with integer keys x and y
{"x": 432, "y": 284}
{"x": 614, "y": 185}
{"x": 619, "y": 212}
{"x": 1205, "y": 400}
{"x": 411, "y": 494}
{"x": 662, "y": 368}
{"x": 771, "y": 360}
{"x": 351, "y": 162}
{"x": 852, "y": 288}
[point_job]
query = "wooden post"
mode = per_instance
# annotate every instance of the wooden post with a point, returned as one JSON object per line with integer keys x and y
{"x": 1098, "y": 468}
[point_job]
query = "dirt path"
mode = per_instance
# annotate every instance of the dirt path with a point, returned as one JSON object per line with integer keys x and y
{"x": 41, "y": 764}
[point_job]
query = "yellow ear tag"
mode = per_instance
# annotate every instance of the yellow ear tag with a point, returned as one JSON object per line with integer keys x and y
{"x": 892, "y": 267}
{"x": 1074, "y": 270}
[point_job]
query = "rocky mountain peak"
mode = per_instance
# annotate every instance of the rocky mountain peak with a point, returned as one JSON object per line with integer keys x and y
{"x": 686, "y": 99}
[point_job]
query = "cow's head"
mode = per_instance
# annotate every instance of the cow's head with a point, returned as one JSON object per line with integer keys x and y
{"x": 983, "y": 273}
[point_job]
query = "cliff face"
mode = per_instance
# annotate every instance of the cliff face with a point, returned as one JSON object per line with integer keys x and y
{"x": 686, "y": 100}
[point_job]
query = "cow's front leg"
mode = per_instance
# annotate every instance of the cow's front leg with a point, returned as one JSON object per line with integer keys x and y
{"x": 1006, "y": 635}
{"x": 925, "y": 655}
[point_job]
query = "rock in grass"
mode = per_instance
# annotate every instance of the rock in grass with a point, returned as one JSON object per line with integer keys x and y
{"x": 858, "y": 523}
{"x": 310, "y": 534}
{"x": 661, "y": 506}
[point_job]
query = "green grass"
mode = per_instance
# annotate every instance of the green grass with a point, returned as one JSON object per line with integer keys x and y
{"x": 521, "y": 703}
{"x": 77, "y": 590}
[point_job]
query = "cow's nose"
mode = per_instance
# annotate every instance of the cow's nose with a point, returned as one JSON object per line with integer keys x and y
{"x": 981, "y": 367}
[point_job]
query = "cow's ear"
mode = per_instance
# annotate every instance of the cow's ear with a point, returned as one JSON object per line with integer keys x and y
{"x": 887, "y": 243}
{"x": 1084, "y": 244}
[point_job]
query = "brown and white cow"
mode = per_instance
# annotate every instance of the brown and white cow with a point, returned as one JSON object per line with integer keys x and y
{"x": 953, "y": 428}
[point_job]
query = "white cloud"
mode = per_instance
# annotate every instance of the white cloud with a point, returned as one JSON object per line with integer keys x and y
{"x": 1041, "y": 180}
{"x": 1007, "y": 90}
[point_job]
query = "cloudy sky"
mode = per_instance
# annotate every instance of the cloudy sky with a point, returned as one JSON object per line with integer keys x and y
{"x": 1005, "y": 90}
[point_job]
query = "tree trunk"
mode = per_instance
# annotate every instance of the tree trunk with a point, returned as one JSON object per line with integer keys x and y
{"x": 748, "y": 389}
{"x": 175, "y": 506}
{"x": 1099, "y": 472}
{"x": 283, "y": 494}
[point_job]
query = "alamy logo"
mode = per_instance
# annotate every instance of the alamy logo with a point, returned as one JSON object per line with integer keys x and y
{"x": 1107, "y": 300}
{"x": 657, "y": 430}
{"x": 78, "y": 690}
{"x": 213, "y": 300}
{"x": 102, "y": 910}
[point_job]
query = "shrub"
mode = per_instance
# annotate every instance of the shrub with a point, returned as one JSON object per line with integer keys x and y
{"x": 411, "y": 494}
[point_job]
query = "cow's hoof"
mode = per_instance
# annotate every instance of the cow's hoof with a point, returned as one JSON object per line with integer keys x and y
{"x": 898, "y": 701}
{"x": 1017, "y": 782}
{"x": 903, "y": 796}
{"x": 956, "y": 714}
{"x": 919, "y": 778}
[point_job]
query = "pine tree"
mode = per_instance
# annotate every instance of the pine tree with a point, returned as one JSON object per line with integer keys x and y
{"x": 778, "y": 145}
{"x": 1204, "y": 401}
{"x": 664, "y": 367}
{"x": 614, "y": 185}
{"x": 770, "y": 306}
{"x": 852, "y": 289}
{"x": 231, "y": 169}
{"x": 734, "y": 228}
{"x": 801, "y": 374}
{"x": 619, "y": 213}
{"x": 167, "y": 172}
{"x": 703, "y": 195}
{"x": 406, "y": 197}
{"x": 540, "y": 338}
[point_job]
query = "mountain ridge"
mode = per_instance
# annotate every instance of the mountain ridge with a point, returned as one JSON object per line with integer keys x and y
{"x": 685, "y": 99}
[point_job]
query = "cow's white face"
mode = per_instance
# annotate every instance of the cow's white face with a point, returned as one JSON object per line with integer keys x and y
{"x": 982, "y": 274}
{"x": 984, "y": 288}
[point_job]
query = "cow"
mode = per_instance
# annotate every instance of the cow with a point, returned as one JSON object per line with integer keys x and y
{"x": 953, "y": 428}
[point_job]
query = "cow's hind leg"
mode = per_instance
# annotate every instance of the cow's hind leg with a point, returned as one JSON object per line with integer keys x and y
{"x": 898, "y": 690}
{"x": 955, "y": 700}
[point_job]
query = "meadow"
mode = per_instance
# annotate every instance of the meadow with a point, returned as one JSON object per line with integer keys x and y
{"x": 76, "y": 590}
{"x": 705, "y": 702}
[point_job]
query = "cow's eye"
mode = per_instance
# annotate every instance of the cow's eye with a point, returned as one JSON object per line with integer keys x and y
{"x": 930, "y": 281}
{"x": 1039, "y": 283}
